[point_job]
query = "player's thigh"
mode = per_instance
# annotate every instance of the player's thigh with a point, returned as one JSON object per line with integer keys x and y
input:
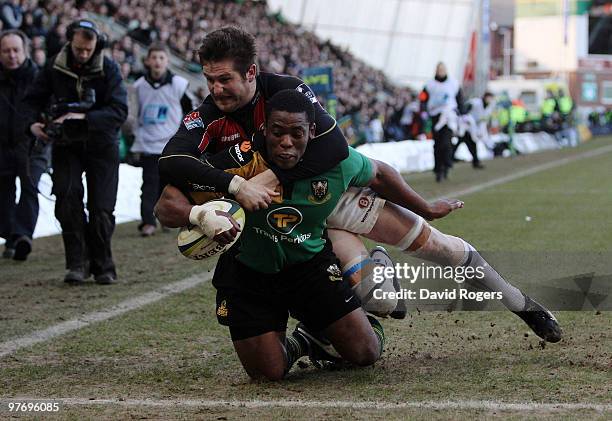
{"x": 347, "y": 246}
{"x": 393, "y": 224}
{"x": 263, "y": 356}
{"x": 357, "y": 211}
{"x": 316, "y": 292}
{"x": 354, "y": 339}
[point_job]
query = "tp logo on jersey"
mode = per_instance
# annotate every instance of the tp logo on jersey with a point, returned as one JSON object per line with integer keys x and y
{"x": 319, "y": 192}
{"x": 284, "y": 220}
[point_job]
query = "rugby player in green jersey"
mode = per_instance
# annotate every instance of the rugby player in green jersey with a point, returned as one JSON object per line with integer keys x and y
{"x": 284, "y": 264}
{"x": 276, "y": 243}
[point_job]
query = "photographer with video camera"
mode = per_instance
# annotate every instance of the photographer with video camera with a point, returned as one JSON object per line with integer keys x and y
{"x": 85, "y": 101}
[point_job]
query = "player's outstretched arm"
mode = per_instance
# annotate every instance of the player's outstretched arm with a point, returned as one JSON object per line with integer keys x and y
{"x": 173, "y": 208}
{"x": 388, "y": 183}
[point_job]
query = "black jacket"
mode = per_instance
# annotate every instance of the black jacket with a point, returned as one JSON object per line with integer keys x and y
{"x": 13, "y": 85}
{"x": 59, "y": 81}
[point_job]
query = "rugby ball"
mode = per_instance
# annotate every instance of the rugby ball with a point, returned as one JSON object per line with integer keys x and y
{"x": 192, "y": 242}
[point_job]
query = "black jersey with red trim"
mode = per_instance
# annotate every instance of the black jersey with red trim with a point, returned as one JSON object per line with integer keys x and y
{"x": 207, "y": 130}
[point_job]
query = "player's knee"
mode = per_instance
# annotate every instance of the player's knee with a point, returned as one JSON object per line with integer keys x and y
{"x": 367, "y": 354}
{"x": 271, "y": 373}
{"x": 432, "y": 245}
{"x": 275, "y": 375}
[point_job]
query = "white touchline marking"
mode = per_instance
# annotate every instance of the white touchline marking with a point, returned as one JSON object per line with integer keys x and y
{"x": 529, "y": 171}
{"x": 331, "y": 404}
{"x": 13, "y": 345}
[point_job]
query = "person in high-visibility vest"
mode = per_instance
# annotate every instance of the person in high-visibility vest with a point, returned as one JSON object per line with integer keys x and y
{"x": 518, "y": 113}
{"x": 549, "y": 110}
{"x": 549, "y": 105}
{"x": 565, "y": 104}
{"x": 567, "y": 136}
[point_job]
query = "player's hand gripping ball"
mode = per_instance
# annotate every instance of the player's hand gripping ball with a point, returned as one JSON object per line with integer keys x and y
{"x": 197, "y": 241}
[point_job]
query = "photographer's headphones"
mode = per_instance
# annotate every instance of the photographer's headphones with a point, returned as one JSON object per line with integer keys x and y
{"x": 101, "y": 38}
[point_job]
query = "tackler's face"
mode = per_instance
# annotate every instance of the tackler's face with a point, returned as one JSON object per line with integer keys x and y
{"x": 287, "y": 135}
{"x": 229, "y": 89}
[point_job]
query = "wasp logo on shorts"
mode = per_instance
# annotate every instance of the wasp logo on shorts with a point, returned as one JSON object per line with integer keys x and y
{"x": 319, "y": 192}
{"x": 222, "y": 309}
{"x": 335, "y": 274}
{"x": 284, "y": 220}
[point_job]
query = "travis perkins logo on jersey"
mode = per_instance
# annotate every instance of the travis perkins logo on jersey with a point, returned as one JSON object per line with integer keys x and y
{"x": 319, "y": 192}
{"x": 284, "y": 220}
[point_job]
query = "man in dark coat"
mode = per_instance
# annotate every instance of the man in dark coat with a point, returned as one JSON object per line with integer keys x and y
{"x": 19, "y": 158}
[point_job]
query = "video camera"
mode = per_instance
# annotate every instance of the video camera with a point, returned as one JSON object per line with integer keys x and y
{"x": 71, "y": 130}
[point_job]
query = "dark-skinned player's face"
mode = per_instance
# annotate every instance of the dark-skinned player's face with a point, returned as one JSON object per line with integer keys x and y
{"x": 287, "y": 135}
{"x": 229, "y": 88}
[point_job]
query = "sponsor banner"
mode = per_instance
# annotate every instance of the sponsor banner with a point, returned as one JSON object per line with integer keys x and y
{"x": 319, "y": 79}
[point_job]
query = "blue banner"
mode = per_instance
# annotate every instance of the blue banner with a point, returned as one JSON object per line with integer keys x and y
{"x": 319, "y": 79}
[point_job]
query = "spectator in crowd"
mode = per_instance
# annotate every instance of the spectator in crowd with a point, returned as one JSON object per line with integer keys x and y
{"x": 39, "y": 57}
{"x": 126, "y": 71}
{"x": 56, "y": 39}
{"x": 410, "y": 120}
{"x": 85, "y": 137}
{"x": 17, "y": 221}
{"x": 11, "y": 14}
{"x": 33, "y": 24}
{"x": 375, "y": 129}
{"x": 162, "y": 100}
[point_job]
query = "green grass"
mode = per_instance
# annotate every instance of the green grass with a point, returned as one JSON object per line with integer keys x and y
{"x": 174, "y": 349}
